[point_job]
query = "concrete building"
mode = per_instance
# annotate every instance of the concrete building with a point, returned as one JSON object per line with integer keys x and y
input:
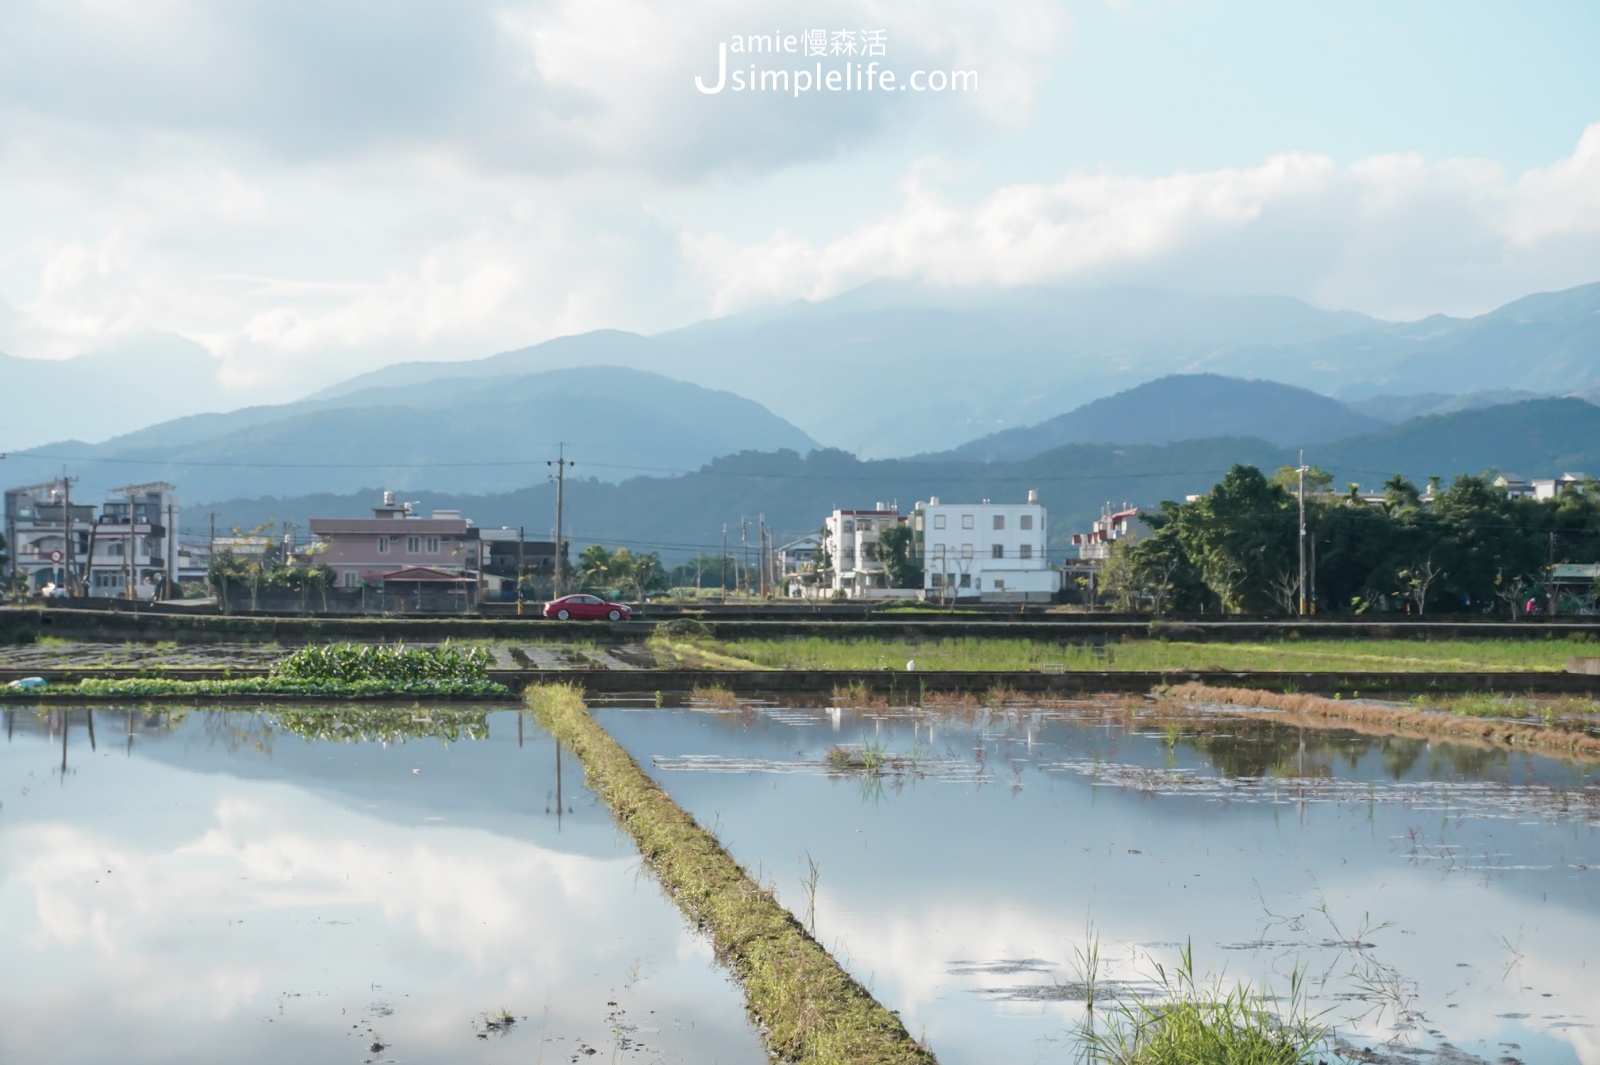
{"x": 370, "y": 550}
{"x": 502, "y": 550}
{"x": 133, "y": 545}
{"x": 988, "y": 551}
{"x": 48, "y": 547}
{"x": 799, "y": 572}
{"x": 853, "y": 570}
{"x": 1111, "y": 526}
{"x": 1551, "y": 487}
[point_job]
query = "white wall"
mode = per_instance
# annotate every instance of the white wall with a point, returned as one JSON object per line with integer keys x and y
{"x": 960, "y": 540}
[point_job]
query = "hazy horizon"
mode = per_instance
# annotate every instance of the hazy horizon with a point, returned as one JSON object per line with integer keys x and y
{"x": 309, "y": 193}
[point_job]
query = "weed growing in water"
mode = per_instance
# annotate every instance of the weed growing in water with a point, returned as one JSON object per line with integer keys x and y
{"x": 715, "y": 695}
{"x": 497, "y": 1023}
{"x": 1087, "y": 962}
{"x": 809, "y": 882}
{"x": 1194, "y": 1021}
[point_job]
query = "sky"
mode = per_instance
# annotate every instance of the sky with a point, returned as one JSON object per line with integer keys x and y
{"x": 311, "y": 190}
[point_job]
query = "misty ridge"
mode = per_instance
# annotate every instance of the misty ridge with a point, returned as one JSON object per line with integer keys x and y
{"x": 890, "y": 391}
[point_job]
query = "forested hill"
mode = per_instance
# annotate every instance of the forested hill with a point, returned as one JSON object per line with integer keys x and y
{"x": 682, "y": 515}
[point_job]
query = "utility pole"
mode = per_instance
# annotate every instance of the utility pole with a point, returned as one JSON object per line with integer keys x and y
{"x": 211, "y": 555}
{"x": 561, "y": 465}
{"x": 172, "y": 551}
{"x": 1301, "y": 470}
{"x": 521, "y": 537}
{"x": 724, "y": 562}
{"x": 127, "y": 553}
{"x": 68, "y": 577}
{"x": 744, "y": 549}
{"x": 761, "y": 553}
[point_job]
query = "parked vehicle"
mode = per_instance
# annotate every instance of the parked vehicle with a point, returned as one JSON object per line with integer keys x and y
{"x": 586, "y": 607}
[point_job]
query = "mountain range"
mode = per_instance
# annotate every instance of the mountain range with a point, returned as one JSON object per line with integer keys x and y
{"x": 682, "y": 515}
{"x": 897, "y": 370}
{"x": 476, "y": 435}
{"x": 479, "y": 434}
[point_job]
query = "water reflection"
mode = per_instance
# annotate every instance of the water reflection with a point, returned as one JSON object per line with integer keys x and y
{"x": 1439, "y": 895}
{"x": 221, "y": 887}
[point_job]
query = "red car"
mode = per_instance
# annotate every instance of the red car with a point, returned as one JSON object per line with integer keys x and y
{"x": 590, "y": 607}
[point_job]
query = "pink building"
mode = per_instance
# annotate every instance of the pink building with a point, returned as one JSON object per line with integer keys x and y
{"x": 395, "y": 545}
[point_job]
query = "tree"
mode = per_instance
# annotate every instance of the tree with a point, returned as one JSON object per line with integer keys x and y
{"x": 1288, "y": 478}
{"x": 1510, "y": 591}
{"x": 1417, "y": 579}
{"x": 894, "y": 549}
{"x": 1236, "y": 536}
{"x": 645, "y": 575}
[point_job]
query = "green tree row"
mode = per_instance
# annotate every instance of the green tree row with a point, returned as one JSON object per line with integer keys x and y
{"x": 621, "y": 571}
{"x": 1235, "y": 549}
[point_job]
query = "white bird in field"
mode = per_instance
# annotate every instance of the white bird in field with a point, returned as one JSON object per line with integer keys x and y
{"x": 911, "y": 663}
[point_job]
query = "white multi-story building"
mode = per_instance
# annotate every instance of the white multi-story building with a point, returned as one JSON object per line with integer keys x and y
{"x": 992, "y": 551}
{"x": 851, "y": 538}
{"x": 134, "y": 543}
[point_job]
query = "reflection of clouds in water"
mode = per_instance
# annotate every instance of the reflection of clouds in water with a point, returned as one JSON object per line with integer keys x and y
{"x": 911, "y": 956}
{"x": 947, "y": 873}
{"x": 474, "y": 899}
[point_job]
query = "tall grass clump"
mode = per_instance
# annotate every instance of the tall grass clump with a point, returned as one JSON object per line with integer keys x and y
{"x": 807, "y": 1009}
{"x": 1190, "y": 1022}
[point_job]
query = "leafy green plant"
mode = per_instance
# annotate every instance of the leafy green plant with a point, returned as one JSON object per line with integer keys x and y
{"x": 350, "y": 662}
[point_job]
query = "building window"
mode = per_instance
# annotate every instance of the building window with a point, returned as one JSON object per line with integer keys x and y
{"x": 383, "y": 547}
{"x": 1026, "y": 550}
{"x": 938, "y": 521}
{"x": 999, "y": 585}
{"x": 999, "y": 521}
{"x": 966, "y": 580}
{"x": 114, "y": 549}
{"x": 849, "y": 525}
{"x": 433, "y": 545}
{"x": 1027, "y": 521}
{"x": 866, "y": 525}
{"x": 350, "y": 578}
{"x": 997, "y": 551}
{"x": 966, "y": 550}
{"x": 413, "y": 545}
{"x": 966, "y": 521}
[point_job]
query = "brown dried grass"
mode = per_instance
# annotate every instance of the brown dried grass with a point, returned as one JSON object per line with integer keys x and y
{"x": 1317, "y": 710}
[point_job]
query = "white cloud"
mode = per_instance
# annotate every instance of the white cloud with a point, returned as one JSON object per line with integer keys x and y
{"x": 1391, "y": 235}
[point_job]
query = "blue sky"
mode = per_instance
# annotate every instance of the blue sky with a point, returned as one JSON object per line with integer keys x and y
{"x": 311, "y": 190}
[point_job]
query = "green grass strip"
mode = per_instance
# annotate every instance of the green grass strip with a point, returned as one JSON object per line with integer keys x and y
{"x": 805, "y": 1006}
{"x": 153, "y": 687}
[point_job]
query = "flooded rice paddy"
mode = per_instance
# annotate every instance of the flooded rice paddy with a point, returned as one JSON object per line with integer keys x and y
{"x": 983, "y": 871}
{"x": 405, "y": 885}
{"x": 385, "y": 886}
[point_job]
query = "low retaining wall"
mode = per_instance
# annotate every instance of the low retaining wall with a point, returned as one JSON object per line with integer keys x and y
{"x": 25, "y": 625}
{"x": 912, "y": 685}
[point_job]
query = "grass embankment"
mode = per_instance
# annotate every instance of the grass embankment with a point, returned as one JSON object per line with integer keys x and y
{"x": 807, "y": 1008}
{"x": 343, "y": 670}
{"x": 1357, "y": 656}
{"x": 687, "y": 644}
{"x": 1316, "y": 711}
